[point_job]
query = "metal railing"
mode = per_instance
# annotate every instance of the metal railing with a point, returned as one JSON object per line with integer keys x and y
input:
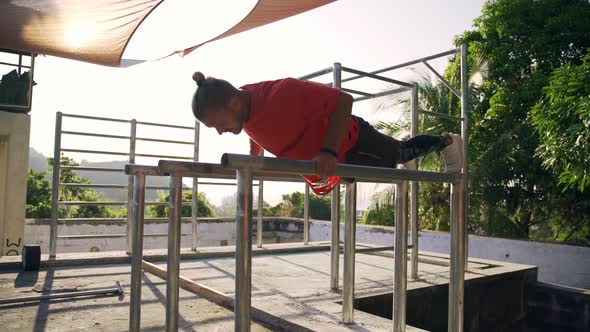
{"x": 337, "y": 81}
{"x": 131, "y": 155}
{"x": 249, "y": 168}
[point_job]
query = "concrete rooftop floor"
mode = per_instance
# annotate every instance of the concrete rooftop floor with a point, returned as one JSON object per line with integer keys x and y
{"x": 291, "y": 285}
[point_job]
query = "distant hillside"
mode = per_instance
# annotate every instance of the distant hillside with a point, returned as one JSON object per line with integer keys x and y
{"x": 38, "y": 162}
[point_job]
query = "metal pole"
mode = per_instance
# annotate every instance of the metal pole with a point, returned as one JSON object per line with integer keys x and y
{"x": 401, "y": 259}
{"x": 55, "y": 187}
{"x": 136, "y": 252}
{"x": 243, "y": 250}
{"x": 118, "y": 290}
{"x": 335, "y": 239}
{"x": 130, "y": 186}
{"x": 306, "y": 215}
{"x": 259, "y": 228}
{"x": 349, "y": 254}
{"x": 414, "y": 188}
{"x": 173, "y": 264}
{"x": 457, "y": 259}
{"x": 195, "y": 193}
{"x": 465, "y": 135}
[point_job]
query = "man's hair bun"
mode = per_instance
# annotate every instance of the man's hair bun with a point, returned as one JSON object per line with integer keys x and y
{"x": 199, "y": 78}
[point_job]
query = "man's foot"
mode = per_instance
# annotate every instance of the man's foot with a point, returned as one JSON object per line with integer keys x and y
{"x": 452, "y": 154}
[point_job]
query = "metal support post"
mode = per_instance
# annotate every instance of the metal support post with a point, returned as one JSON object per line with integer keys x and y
{"x": 243, "y": 250}
{"x": 349, "y": 254}
{"x": 195, "y": 193}
{"x": 465, "y": 135}
{"x": 335, "y": 238}
{"x": 414, "y": 190}
{"x": 173, "y": 264}
{"x": 401, "y": 258}
{"x": 138, "y": 203}
{"x": 55, "y": 187}
{"x": 457, "y": 277}
{"x": 306, "y": 215}
{"x": 130, "y": 187}
{"x": 259, "y": 228}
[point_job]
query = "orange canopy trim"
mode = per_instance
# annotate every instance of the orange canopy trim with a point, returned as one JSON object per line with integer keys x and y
{"x": 98, "y": 31}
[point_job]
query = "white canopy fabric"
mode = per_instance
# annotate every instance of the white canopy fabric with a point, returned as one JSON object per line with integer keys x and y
{"x": 98, "y": 31}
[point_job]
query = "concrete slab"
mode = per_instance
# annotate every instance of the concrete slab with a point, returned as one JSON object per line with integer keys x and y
{"x": 292, "y": 286}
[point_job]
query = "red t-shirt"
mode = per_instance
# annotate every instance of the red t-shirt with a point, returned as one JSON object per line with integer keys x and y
{"x": 289, "y": 118}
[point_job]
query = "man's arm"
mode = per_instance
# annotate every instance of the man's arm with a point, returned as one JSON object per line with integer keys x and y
{"x": 337, "y": 128}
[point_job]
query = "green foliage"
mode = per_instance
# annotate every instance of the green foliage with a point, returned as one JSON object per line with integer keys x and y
{"x": 38, "y": 204}
{"x": 562, "y": 120}
{"x": 522, "y": 42}
{"x": 293, "y": 206}
{"x": 203, "y": 207}
{"x": 528, "y": 113}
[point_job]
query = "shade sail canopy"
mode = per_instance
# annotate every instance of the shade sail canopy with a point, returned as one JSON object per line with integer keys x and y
{"x": 98, "y": 31}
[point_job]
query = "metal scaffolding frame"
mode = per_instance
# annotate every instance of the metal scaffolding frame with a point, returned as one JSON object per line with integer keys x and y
{"x": 249, "y": 168}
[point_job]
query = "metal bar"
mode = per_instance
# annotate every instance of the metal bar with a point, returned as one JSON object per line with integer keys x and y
{"x": 260, "y": 228}
{"x": 97, "y": 152}
{"x": 137, "y": 208}
{"x": 173, "y": 264}
{"x": 465, "y": 136}
{"x": 94, "y": 135}
{"x": 195, "y": 192}
{"x": 442, "y": 115}
{"x": 457, "y": 272}
{"x": 354, "y": 171}
{"x": 162, "y": 156}
{"x": 335, "y": 238}
{"x": 243, "y": 250}
{"x": 349, "y": 254}
{"x": 377, "y": 77}
{"x": 94, "y": 118}
{"x": 93, "y": 169}
{"x": 163, "y": 140}
{"x": 356, "y": 92}
{"x": 405, "y": 64}
{"x": 130, "y": 186}
{"x": 108, "y": 236}
{"x": 77, "y": 220}
{"x": 163, "y": 125}
{"x": 13, "y": 65}
{"x": 306, "y": 215}
{"x": 55, "y": 186}
{"x": 316, "y": 73}
{"x": 117, "y": 290}
{"x": 91, "y": 185}
{"x": 384, "y": 93}
{"x": 335, "y": 208}
{"x": 219, "y": 172}
{"x": 414, "y": 190}
{"x": 85, "y": 203}
{"x": 442, "y": 79}
{"x": 401, "y": 258}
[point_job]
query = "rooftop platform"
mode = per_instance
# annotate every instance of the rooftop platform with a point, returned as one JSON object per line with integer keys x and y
{"x": 290, "y": 285}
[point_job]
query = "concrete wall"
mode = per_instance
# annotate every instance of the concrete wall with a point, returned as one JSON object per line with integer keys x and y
{"x": 14, "y": 161}
{"x": 558, "y": 263}
{"x": 212, "y": 232}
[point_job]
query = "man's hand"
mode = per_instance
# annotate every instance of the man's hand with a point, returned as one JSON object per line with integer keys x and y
{"x": 326, "y": 165}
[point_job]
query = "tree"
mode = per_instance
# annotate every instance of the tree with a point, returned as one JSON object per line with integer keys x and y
{"x": 523, "y": 41}
{"x": 79, "y": 194}
{"x": 562, "y": 119}
{"x": 203, "y": 206}
{"x": 38, "y": 204}
{"x": 293, "y": 206}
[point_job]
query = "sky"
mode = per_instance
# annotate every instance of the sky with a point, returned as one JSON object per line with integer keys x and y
{"x": 365, "y": 35}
